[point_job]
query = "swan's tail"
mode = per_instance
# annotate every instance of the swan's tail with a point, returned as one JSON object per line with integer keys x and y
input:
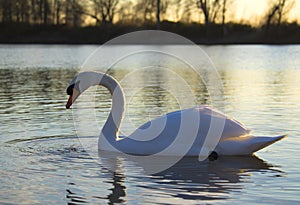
{"x": 259, "y": 143}
{"x": 245, "y": 145}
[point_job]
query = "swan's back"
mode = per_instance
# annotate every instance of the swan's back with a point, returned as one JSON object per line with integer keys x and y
{"x": 232, "y": 128}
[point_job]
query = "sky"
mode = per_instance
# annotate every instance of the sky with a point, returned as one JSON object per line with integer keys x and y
{"x": 254, "y": 9}
{"x": 249, "y": 11}
{"x": 240, "y": 11}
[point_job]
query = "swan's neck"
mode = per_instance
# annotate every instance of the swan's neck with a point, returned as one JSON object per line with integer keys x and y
{"x": 111, "y": 127}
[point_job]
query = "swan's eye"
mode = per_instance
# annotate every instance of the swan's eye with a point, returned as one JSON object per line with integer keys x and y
{"x": 70, "y": 89}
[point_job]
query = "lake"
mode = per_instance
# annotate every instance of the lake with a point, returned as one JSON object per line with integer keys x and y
{"x": 44, "y": 162}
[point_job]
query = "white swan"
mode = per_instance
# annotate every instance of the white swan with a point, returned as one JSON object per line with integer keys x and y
{"x": 235, "y": 138}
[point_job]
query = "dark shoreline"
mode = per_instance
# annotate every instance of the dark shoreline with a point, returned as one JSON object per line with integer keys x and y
{"x": 236, "y": 34}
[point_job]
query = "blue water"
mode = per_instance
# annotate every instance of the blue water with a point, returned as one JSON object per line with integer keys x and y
{"x": 43, "y": 161}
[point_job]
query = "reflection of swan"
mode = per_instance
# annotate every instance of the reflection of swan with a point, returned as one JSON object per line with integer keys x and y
{"x": 235, "y": 139}
{"x": 213, "y": 180}
{"x": 189, "y": 178}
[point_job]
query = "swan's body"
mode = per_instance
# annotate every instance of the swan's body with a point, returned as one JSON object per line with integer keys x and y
{"x": 186, "y": 130}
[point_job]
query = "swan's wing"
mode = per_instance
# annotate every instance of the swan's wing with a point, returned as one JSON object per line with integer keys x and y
{"x": 153, "y": 137}
{"x": 232, "y": 128}
{"x": 166, "y": 124}
{"x": 170, "y": 122}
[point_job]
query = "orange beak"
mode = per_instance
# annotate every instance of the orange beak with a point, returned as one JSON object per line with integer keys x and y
{"x": 72, "y": 98}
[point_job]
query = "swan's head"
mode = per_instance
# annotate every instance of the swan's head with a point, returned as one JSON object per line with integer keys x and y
{"x": 80, "y": 83}
{"x": 73, "y": 92}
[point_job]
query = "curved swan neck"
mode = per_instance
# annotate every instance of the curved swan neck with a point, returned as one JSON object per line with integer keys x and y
{"x": 112, "y": 124}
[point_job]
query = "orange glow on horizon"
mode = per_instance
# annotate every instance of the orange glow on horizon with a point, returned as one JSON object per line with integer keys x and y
{"x": 245, "y": 11}
{"x": 240, "y": 11}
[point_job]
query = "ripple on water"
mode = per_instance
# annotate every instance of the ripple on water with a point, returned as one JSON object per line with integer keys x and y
{"x": 42, "y": 161}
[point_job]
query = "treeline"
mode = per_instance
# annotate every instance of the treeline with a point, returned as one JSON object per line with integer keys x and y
{"x": 38, "y": 12}
{"x": 79, "y": 13}
{"x": 71, "y": 21}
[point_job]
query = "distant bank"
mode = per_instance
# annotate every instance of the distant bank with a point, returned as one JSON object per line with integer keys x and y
{"x": 199, "y": 34}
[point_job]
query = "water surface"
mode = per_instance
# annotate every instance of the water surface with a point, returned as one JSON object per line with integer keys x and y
{"x": 43, "y": 162}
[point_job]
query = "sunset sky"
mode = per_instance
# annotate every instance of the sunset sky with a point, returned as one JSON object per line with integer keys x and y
{"x": 254, "y": 9}
{"x": 247, "y": 11}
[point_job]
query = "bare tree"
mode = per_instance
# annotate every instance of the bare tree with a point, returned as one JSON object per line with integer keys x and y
{"x": 145, "y": 9}
{"x": 56, "y": 11}
{"x": 68, "y": 12}
{"x": 151, "y": 10}
{"x": 158, "y": 14}
{"x": 40, "y": 11}
{"x": 210, "y": 10}
{"x": 277, "y": 12}
{"x": 7, "y": 10}
{"x": 45, "y": 10}
{"x": 33, "y": 12}
{"x": 73, "y": 12}
{"x": 126, "y": 12}
{"x": 106, "y": 9}
{"x": 21, "y": 11}
{"x": 187, "y": 7}
{"x": 225, "y": 5}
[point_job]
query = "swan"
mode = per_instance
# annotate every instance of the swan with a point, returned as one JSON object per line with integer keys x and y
{"x": 235, "y": 138}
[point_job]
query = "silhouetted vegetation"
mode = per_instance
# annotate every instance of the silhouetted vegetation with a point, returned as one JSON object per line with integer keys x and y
{"x": 96, "y": 21}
